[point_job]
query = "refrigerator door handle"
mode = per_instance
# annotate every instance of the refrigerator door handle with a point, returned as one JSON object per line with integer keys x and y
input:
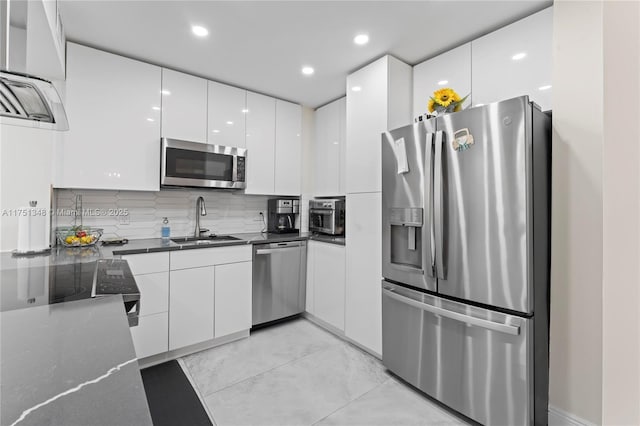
{"x": 428, "y": 233}
{"x": 438, "y": 202}
{"x": 478, "y": 322}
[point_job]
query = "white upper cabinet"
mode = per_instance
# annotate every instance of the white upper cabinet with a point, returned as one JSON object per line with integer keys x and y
{"x": 45, "y": 39}
{"x": 330, "y": 149}
{"x": 450, "y": 69}
{"x": 342, "y": 143}
{"x": 378, "y": 99}
{"x": 112, "y": 105}
{"x": 515, "y": 60}
{"x": 184, "y": 106}
{"x": 288, "y": 154}
{"x": 226, "y": 115}
{"x": 260, "y": 137}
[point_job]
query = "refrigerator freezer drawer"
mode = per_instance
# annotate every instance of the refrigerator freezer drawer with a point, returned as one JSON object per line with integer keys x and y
{"x": 474, "y": 360}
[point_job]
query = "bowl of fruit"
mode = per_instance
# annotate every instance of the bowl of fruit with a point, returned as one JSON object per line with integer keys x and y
{"x": 78, "y": 236}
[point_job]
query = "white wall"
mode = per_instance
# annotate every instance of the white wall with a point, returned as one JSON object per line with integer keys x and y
{"x": 595, "y": 295}
{"x": 577, "y": 222}
{"x": 621, "y": 215}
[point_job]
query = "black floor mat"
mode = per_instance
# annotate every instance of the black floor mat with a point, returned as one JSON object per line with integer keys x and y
{"x": 172, "y": 400}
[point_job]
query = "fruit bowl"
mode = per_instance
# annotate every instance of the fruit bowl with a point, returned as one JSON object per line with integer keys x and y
{"x": 78, "y": 236}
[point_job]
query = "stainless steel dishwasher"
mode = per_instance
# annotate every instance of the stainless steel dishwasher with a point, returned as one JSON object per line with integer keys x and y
{"x": 279, "y": 280}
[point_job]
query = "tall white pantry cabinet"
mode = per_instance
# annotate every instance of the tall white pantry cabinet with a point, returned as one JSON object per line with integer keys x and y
{"x": 378, "y": 99}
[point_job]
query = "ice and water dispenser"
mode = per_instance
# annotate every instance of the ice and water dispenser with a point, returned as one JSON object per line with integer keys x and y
{"x": 406, "y": 236}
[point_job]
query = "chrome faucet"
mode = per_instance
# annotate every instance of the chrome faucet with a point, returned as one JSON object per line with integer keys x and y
{"x": 201, "y": 210}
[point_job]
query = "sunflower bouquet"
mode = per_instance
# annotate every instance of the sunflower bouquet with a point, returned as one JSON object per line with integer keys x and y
{"x": 445, "y": 100}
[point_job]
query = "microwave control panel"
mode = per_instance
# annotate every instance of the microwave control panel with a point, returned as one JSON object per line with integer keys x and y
{"x": 240, "y": 169}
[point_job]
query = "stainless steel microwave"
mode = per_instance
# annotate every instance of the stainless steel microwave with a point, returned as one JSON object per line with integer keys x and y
{"x": 202, "y": 165}
{"x": 327, "y": 216}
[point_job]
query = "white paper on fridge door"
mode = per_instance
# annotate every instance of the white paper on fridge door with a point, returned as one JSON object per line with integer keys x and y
{"x": 400, "y": 151}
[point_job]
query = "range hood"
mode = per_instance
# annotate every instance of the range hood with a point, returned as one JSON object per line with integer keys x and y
{"x": 27, "y": 100}
{"x": 31, "y": 98}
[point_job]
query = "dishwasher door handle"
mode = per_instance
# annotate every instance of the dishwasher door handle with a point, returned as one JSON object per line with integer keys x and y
{"x": 277, "y": 250}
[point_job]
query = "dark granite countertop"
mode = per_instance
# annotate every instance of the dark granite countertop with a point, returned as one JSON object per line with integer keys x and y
{"x": 331, "y": 239}
{"x": 70, "y": 364}
{"x": 74, "y": 363}
{"x": 65, "y": 255}
{"x": 154, "y": 245}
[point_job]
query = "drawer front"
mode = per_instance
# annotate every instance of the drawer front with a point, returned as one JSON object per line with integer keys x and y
{"x": 197, "y": 258}
{"x": 471, "y": 359}
{"x": 154, "y": 292}
{"x": 147, "y": 263}
{"x": 151, "y": 335}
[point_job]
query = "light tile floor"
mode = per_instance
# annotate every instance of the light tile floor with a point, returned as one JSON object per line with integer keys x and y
{"x": 295, "y": 373}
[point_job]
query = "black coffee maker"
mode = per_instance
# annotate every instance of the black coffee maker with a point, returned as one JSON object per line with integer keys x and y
{"x": 282, "y": 215}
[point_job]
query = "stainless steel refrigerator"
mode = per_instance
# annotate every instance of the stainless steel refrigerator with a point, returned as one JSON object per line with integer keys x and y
{"x": 465, "y": 260}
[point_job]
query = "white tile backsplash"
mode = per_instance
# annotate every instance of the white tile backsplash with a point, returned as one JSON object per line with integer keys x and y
{"x": 227, "y": 212}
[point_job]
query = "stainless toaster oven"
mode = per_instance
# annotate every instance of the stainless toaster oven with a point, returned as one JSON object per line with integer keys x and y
{"x": 327, "y": 216}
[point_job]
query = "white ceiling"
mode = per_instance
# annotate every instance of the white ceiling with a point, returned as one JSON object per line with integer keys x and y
{"x": 262, "y": 45}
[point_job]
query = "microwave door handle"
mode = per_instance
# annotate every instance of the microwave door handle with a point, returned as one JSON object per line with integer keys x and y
{"x": 438, "y": 204}
{"x": 234, "y": 172}
{"x": 428, "y": 236}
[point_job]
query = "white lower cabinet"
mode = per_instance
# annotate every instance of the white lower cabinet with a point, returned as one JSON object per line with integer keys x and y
{"x": 364, "y": 270}
{"x": 205, "y": 294}
{"x": 151, "y": 272}
{"x": 329, "y": 283}
{"x": 150, "y": 336}
{"x": 311, "y": 257}
{"x": 154, "y": 293}
{"x": 191, "y": 306}
{"x": 232, "y": 298}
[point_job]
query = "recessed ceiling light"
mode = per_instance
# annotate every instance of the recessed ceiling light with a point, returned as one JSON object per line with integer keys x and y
{"x": 518, "y": 56}
{"x": 547, "y": 87}
{"x": 155, "y": 108}
{"x": 150, "y": 119}
{"x": 165, "y": 92}
{"x": 245, "y": 111}
{"x": 200, "y": 31}
{"x": 442, "y": 82}
{"x": 216, "y": 131}
{"x": 307, "y": 70}
{"x": 361, "y": 39}
{"x": 479, "y": 104}
{"x": 230, "y": 123}
{"x": 356, "y": 88}
{"x": 335, "y": 143}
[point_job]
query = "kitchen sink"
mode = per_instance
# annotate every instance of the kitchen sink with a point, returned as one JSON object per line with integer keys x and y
{"x": 211, "y": 239}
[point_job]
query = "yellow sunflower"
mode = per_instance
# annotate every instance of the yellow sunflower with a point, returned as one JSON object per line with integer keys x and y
{"x": 445, "y": 96}
{"x": 431, "y": 105}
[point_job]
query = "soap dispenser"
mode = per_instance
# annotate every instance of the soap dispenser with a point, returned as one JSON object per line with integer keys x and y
{"x": 166, "y": 231}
